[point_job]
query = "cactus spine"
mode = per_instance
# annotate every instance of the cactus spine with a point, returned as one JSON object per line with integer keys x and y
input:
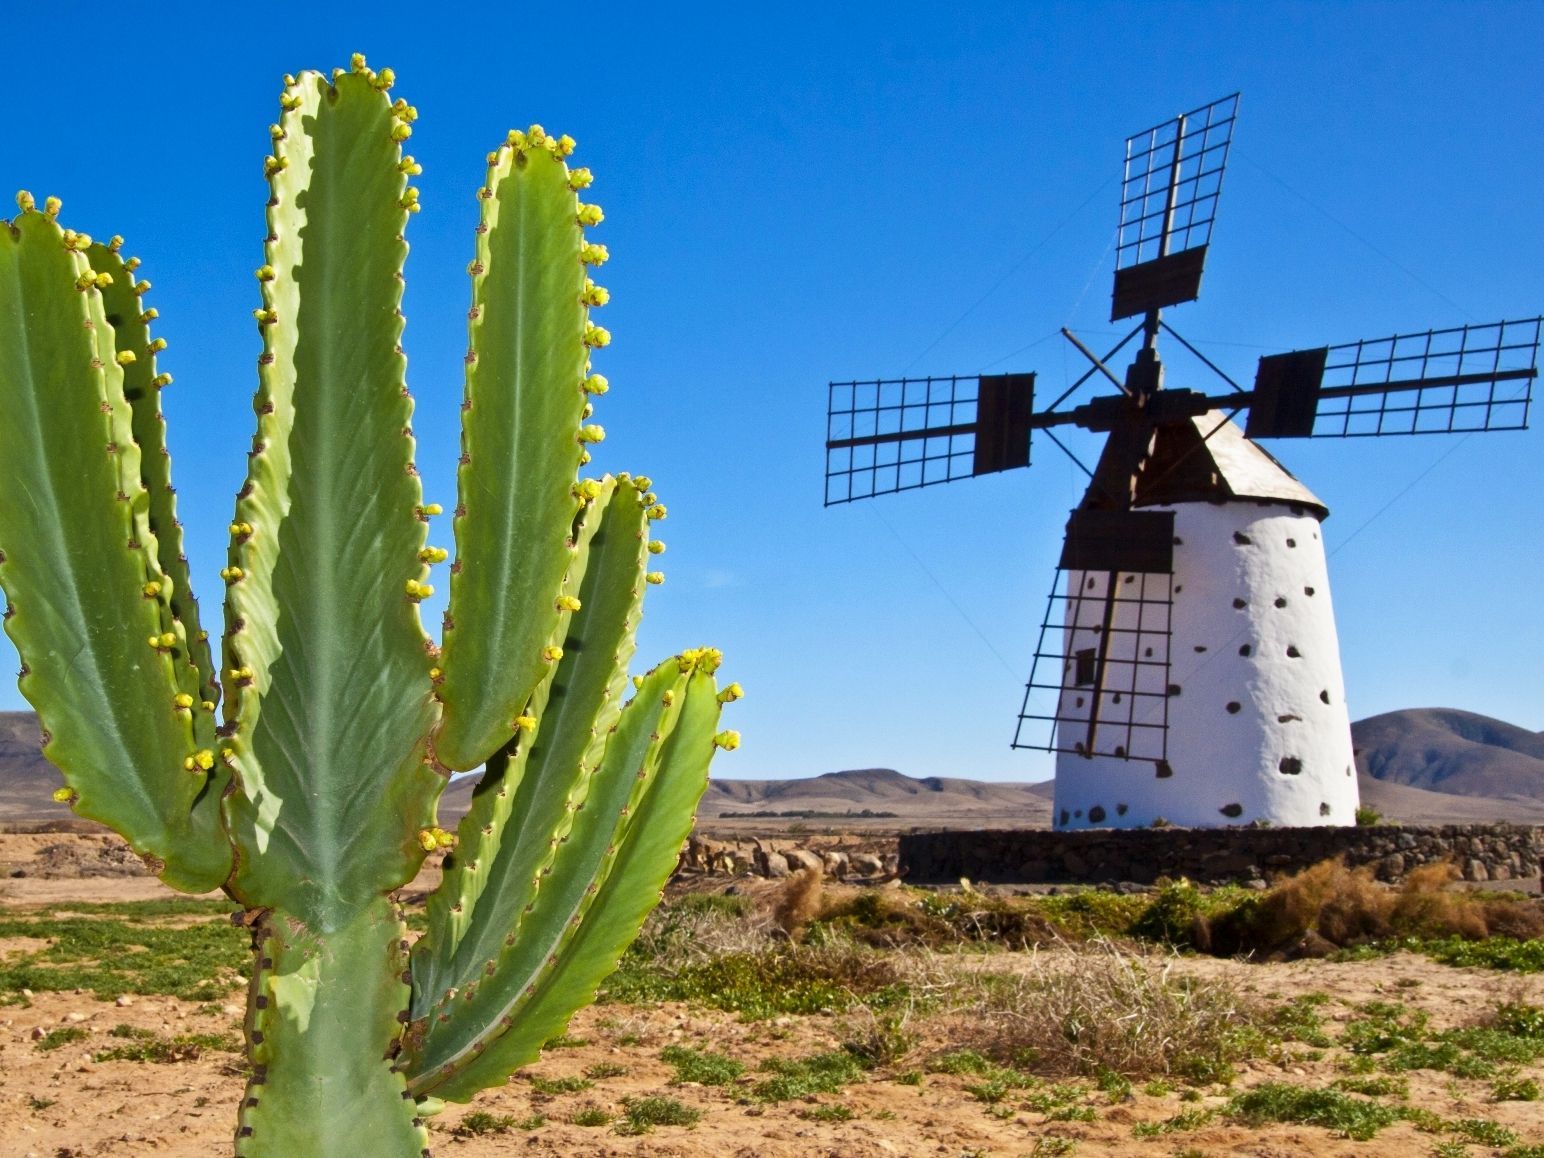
{"x": 312, "y": 796}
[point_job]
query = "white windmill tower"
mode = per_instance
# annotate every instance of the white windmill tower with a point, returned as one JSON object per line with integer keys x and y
{"x": 1188, "y": 667}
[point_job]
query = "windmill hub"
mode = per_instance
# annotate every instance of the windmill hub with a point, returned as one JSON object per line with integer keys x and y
{"x": 1188, "y": 667}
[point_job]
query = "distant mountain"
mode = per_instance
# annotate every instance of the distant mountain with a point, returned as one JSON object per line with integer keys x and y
{"x": 1424, "y": 766}
{"x": 27, "y": 780}
{"x": 1449, "y": 751}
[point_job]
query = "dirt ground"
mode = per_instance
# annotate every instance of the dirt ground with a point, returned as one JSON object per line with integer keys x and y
{"x": 61, "y": 1104}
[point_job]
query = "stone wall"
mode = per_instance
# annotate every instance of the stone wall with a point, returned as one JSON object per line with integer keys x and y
{"x": 1482, "y": 852}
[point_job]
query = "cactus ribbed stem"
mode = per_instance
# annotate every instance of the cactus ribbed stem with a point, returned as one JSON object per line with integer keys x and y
{"x": 315, "y": 798}
{"x": 322, "y": 1016}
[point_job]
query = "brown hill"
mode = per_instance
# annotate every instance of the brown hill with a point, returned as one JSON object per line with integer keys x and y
{"x": 27, "y": 780}
{"x": 1449, "y": 751}
{"x": 1423, "y": 766}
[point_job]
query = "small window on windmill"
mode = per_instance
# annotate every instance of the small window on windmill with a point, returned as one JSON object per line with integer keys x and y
{"x": 1087, "y": 662}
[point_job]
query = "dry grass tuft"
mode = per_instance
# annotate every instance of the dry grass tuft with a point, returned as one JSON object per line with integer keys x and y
{"x": 1097, "y": 1008}
{"x": 799, "y": 902}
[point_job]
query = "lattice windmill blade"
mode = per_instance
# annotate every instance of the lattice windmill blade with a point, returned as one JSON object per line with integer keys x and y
{"x": 1103, "y": 657}
{"x": 1169, "y": 195}
{"x": 1464, "y": 379}
{"x": 899, "y": 434}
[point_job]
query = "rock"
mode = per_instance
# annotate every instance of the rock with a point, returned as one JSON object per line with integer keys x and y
{"x": 835, "y": 863}
{"x": 866, "y": 864}
{"x": 76, "y": 1016}
{"x": 124, "y": 1001}
{"x": 802, "y": 858}
{"x": 774, "y": 865}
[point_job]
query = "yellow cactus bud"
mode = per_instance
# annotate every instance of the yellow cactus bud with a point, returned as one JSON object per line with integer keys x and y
{"x": 657, "y": 511}
{"x": 730, "y": 694}
{"x": 435, "y": 673}
{"x": 151, "y": 589}
{"x": 276, "y": 132}
{"x": 525, "y": 723}
{"x": 208, "y": 705}
{"x": 654, "y": 577}
{"x": 289, "y": 100}
{"x": 431, "y": 509}
{"x": 183, "y": 701}
{"x": 594, "y": 254}
{"x": 668, "y": 697}
{"x": 595, "y": 384}
{"x": 590, "y": 215}
{"x": 638, "y": 681}
{"x": 103, "y": 280}
{"x": 161, "y": 381}
{"x": 433, "y": 555}
{"x": 709, "y": 659}
{"x": 168, "y": 639}
{"x": 592, "y": 432}
{"x": 385, "y": 79}
{"x": 596, "y": 336}
{"x": 409, "y": 166}
{"x": 265, "y": 317}
{"x": 26, "y": 203}
{"x": 568, "y": 603}
{"x": 728, "y": 740}
{"x": 126, "y": 358}
{"x": 62, "y": 795}
{"x": 264, "y": 273}
{"x": 357, "y": 62}
{"x": 401, "y": 131}
{"x": 52, "y": 205}
{"x": 416, "y": 590}
{"x": 588, "y": 489}
{"x": 566, "y": 145}
{"x": 552, "y": 653}
{"x": 535, "y": 135}
{"x": 642, "y": 483}
{"x": 141, "y": 288}
{"x": 427, "y": 840}
{"x": 202, "y": 759}
{"x": 594, "y": 295}
{"x": 157, "y": 345}
{"x": 580, "y": 179}
{"x": 656, "y": 547}
{"x": 150, "y": 315}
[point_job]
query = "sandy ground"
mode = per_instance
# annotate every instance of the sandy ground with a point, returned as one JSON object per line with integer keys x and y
{"x": 62, "y": 1104}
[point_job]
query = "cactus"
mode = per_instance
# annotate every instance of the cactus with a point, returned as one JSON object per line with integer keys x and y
{"x": 310, "y": 794}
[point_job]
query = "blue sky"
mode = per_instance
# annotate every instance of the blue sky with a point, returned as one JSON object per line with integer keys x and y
{"x": 797, "y": 193}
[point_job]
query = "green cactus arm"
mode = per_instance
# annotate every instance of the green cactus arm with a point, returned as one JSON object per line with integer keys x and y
{"x": 605, "y": 877}
{"x": 522, "y": 804}
{"x": 522, "y": 409}
{"x": 127, "y": 313}
{"x": 322, "y": 1014}
{"x": 330, "y": 707}
{"x": 79, "y": 568}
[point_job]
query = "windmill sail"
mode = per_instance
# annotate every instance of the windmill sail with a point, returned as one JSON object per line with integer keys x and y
{"x": 1168, "y": 203}
{"x": 899, "y": 434}
{"x": 1469, "y": 378}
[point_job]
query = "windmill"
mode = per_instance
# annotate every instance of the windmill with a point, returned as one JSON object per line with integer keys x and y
{"x": 1187, "y": 666}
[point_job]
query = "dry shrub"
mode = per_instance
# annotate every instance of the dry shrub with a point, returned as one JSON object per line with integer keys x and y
{"x": 1329, "y": 905}
{"x": 799, "y": 901}
{"x": 1095, "y": 1008}
{"x": 894, "y": 920}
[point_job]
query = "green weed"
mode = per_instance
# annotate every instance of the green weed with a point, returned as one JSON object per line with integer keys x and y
{"x": 1352, "y": 1117}
{"x": 701, "y": 1066}
{"x": 552, "y": 1087}
{"x": 823, "y": 1073}
{"x": 641, "y": 1115}
{"x": 64, "y": 1035}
